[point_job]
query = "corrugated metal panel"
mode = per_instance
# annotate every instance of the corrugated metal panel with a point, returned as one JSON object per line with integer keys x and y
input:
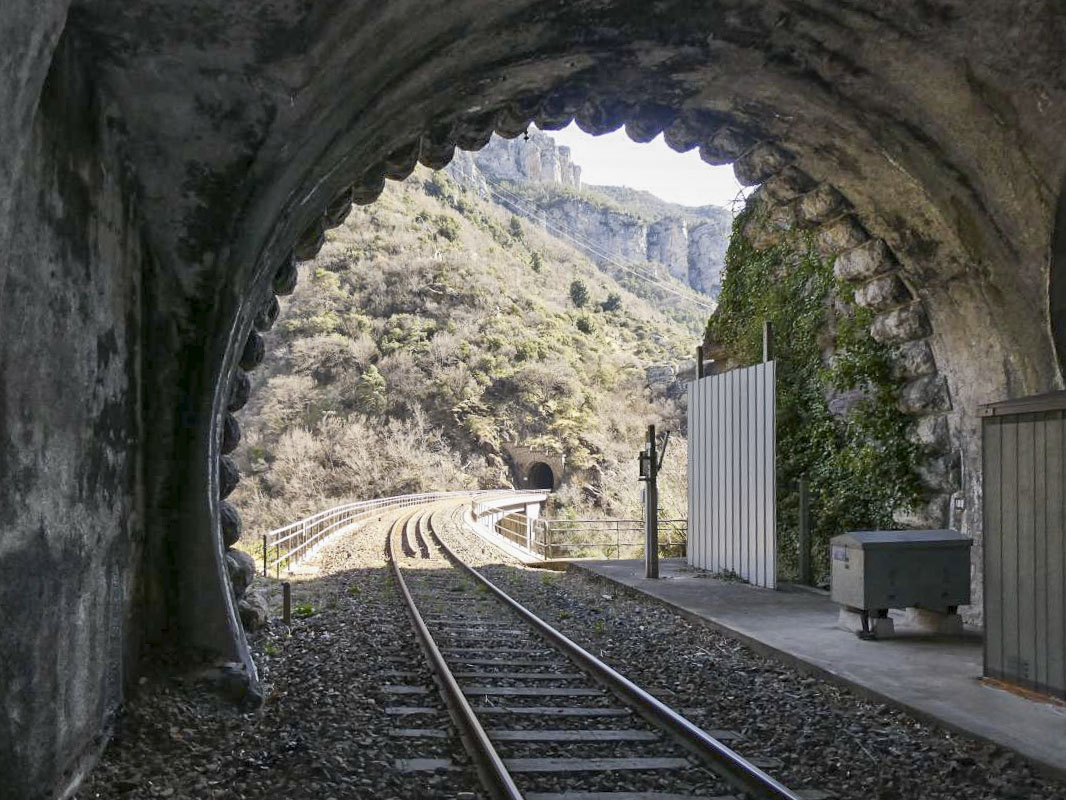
{"x": 732, "y": 474}
{"x": 1025, "y": 551}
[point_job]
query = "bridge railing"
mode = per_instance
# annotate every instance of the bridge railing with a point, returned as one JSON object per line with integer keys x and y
{"x": 294, "y": 542}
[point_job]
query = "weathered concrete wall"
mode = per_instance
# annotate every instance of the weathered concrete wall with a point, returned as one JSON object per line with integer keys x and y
{"x": 198, "y": 142}
{"x": 71, "y": 437}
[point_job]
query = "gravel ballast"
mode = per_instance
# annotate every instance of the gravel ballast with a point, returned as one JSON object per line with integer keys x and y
{"x": 826, "y": 736}
{"x": 322, "y": 732}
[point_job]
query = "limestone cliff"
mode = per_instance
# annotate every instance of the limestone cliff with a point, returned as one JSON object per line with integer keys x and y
{"x": 536, "y": 178}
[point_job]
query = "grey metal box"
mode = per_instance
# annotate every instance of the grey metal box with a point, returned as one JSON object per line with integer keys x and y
{"x": 901, "y": 569}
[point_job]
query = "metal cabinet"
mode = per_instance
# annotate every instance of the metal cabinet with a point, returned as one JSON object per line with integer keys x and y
{"x": 1024, "y": 486}
{"x": 874, "y": 570}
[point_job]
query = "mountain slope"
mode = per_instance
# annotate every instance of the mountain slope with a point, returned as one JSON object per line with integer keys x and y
{"x": 536, "y": 178}
{"x": 434, "y": 331}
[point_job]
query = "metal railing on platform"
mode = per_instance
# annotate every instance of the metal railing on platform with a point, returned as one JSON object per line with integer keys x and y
{"x": 583, "y": 538}
{"x": 294, "y": 542}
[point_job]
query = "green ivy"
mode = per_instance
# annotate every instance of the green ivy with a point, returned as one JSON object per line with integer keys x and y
{"x": 860, "y": 466}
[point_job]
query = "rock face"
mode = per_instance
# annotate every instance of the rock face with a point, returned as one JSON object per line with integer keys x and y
{"x": 536, "y": 159}
{"x": 609, "y": 224}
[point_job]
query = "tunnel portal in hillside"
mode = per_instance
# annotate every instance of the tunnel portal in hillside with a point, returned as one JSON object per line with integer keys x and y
{"x": 540, "y": 476}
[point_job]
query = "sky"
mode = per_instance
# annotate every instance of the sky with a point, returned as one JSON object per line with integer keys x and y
{"x": 616, "y": 160}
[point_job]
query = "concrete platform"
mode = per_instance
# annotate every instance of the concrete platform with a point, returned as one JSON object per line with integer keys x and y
{"x": 933, "y": 677}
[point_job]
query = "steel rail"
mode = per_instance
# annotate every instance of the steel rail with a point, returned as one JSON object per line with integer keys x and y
{"x": 490, "y": 767}
{"x": 729, "y": 764}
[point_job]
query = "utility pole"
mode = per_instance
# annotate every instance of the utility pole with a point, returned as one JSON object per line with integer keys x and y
{"x": 804, "y": 543}
{"x": 649, "y": 473}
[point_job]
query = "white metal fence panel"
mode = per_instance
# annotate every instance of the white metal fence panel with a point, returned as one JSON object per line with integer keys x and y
{"x": 732, "y": 483}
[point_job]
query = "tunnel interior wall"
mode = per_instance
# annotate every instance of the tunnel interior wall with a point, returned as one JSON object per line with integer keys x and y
{"x": 71, "y": 516}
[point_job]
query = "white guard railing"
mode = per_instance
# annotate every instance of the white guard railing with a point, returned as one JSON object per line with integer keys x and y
{"x": 297, "y": 540}
{"x": 551, "y": 539}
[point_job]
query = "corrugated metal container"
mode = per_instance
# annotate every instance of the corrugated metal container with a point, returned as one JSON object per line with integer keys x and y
{"x": 901, "y": 569}
{"x": 1024, "y": 480}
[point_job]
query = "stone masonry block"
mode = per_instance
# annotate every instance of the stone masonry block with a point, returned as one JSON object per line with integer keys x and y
{"x": 240, "y": 567}
{"x": 841, "y": 234}
{"x": 925, "y": 395}
{"x": 724, "y": 146}
{"x": 931, "y": 432}
{"x": 821, "y": 204}
{"x": 864, "y": 262}
{"x": 913, "y": 359}
{"x": 937, "y": 472}
{"x": 782, "y": 218}
{"x": 904, "y": 324}
{"x": 883, "y": 293}
{"x": 788, "y": 184}
{"x": 759, "y": 163}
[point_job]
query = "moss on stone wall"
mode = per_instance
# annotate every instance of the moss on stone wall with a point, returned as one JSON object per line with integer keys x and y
{"x": 837, "y": 402}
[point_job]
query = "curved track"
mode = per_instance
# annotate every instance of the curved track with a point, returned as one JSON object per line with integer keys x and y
{"x": 541, "y": 717}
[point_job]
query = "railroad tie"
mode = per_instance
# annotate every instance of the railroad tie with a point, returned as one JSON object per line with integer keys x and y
{"x": 594, "y": 764}
{"x": 573, "y": 736}
{"x": 532, "y": 691}
{"x": 522, "y": 676}
{"x": 553, "y": 711}
{"x": 419, "y": 733}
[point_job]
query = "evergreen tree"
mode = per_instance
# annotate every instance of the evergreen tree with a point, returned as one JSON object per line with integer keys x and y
{"x": 516, "y": 228}
{"x": 536, "y": 262}
{"x": 579, "y": 293}
{"x": 370, "y": 392}
{"x": 612, "y": 303}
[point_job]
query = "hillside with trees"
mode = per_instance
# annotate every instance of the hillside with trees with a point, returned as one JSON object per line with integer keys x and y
{"x": 434, "y": 330}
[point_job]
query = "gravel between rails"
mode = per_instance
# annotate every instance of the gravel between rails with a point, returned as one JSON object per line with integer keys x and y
{"x": 826, "y": 736}
{"x": 481, "y": 625}
{"x": 322, "y": 732}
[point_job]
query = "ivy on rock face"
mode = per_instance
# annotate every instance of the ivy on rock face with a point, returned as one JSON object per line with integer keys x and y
{"x": 859, "y": 461}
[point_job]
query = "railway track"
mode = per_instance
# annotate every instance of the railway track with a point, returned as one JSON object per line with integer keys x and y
{"x": 540, "y": 717}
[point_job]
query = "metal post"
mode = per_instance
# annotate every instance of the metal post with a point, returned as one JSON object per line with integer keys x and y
{"x": 767, "y": 341}
{"x": 286, "y": 602}
{"x": 699, "y": 362}
{"x": 804, "y": 533}
{"x": 264, "y": 555}
{"x": 651, "y": 511}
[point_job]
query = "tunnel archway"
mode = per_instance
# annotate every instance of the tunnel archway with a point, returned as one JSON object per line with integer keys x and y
{"x": 221, "y": 152}
{"x": 540, "y": 476}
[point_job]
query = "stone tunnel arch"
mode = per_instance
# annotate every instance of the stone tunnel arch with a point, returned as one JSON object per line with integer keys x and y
{"x": 540, "y": 476}
{"x": 801, "y": 169}
{"x": 221, "y": 152}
